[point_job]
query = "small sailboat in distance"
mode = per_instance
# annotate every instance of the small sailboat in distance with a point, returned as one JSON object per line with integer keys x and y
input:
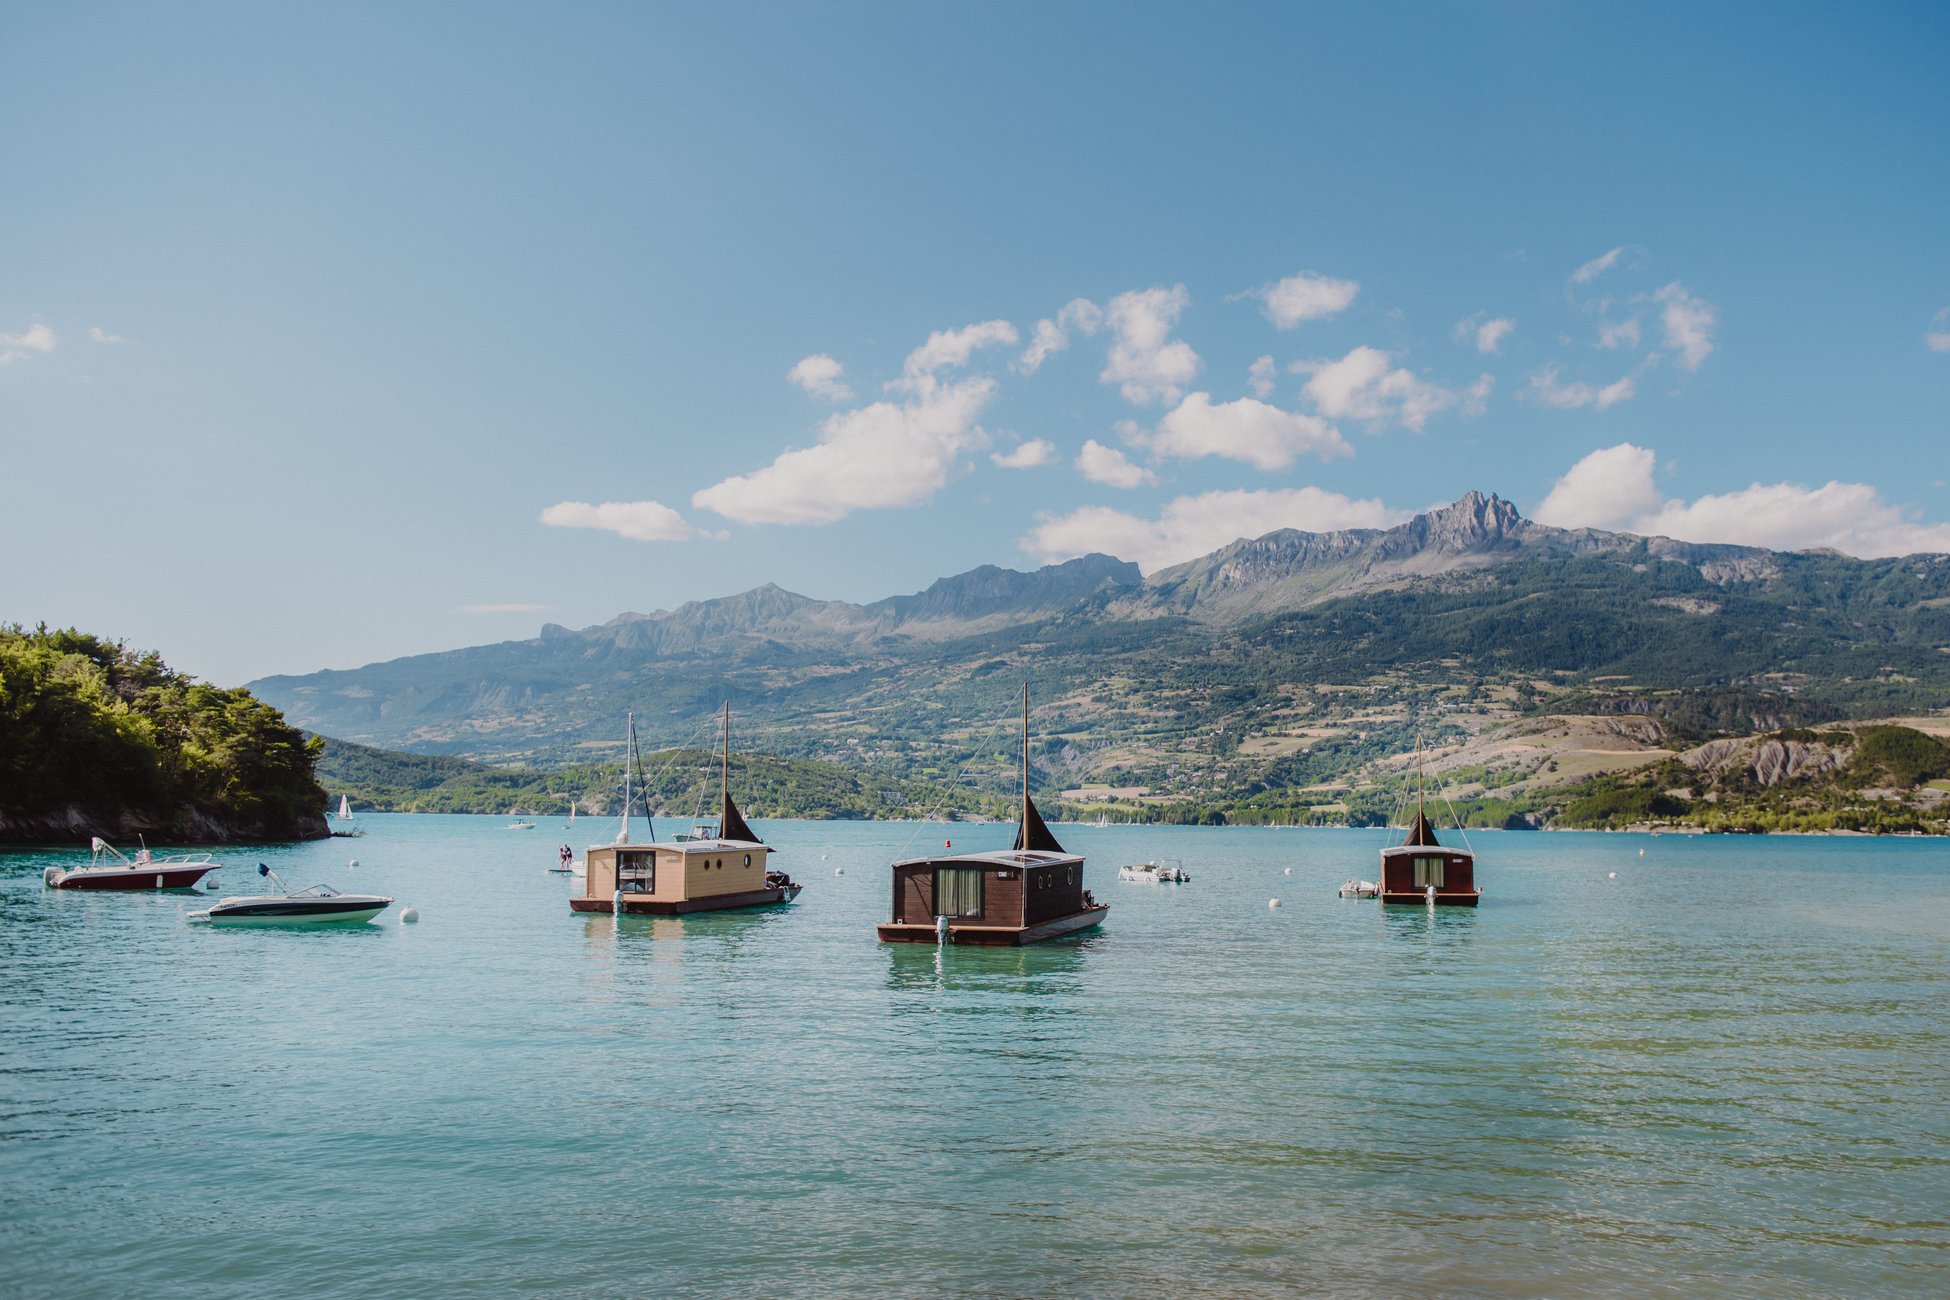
{"x": 345, "y": 808}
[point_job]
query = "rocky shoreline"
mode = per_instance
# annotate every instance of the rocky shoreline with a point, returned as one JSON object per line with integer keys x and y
{"x": 75, "y": 825}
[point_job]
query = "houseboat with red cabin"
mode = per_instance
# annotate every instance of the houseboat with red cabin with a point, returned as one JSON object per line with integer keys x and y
{"x": 712, "y": 869}
{"x": 1028, "y": 893}
{"x": 1420, "y": 870}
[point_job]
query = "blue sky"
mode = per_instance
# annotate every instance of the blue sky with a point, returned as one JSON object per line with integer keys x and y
{"x": 311, "y": 316}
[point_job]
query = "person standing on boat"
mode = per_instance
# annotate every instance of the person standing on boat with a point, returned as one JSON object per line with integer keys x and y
{"x": 565, "y": 856}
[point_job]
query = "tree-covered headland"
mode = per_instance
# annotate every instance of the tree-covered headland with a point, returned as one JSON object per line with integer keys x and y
{"x": 99, "y": 739}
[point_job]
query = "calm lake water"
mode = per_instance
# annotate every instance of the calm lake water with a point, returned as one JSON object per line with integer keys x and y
{"x": 1723, "y": 1071}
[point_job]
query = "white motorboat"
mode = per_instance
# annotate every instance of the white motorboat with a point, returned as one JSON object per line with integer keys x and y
{"x": 320, "y": 903}
{"x": 1153, "y": 873}
{"x": 1360, "y": 889}
{"x": 110, "y": 869}
{"x": 520, "y": 824}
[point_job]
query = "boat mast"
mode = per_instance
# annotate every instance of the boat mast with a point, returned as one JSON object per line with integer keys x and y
{"x": 1025, "y": 755}
{"x": 629, "y": 749}
{"x": 1418, "y": 777}
{"x": 724, "y": 776}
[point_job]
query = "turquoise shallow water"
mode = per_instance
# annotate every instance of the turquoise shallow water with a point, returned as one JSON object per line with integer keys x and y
{"x": 1724, "y": 1071}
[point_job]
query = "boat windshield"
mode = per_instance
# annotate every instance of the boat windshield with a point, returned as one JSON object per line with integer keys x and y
{"x": 317, "y": 891}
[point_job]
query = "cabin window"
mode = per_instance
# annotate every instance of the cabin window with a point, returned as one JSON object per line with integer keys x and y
{"x": 1428, "y": 871}
{"x": 957, "y": 891}
{"x": 748, "y": 859}
{"x": 636, "y": 871}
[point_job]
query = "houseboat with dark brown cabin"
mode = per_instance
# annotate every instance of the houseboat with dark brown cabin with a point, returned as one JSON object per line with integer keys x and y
{"x": 711, "y": 870}
{"x": 1025, "y": 894}
{"x": 1420, "y": 870}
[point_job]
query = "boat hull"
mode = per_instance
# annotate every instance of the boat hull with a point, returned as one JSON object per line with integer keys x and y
{"x": 1005, "y": 936}
{"x": 148, "y": 877}
{"x": 350, "y": 917}
{"x": 640, "y": 906}
{"x": 1469, "y": 899}
{"x": 325, "y": 912}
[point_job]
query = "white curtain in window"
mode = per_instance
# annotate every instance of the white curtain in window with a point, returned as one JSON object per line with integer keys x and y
{"x": 957, "y": 891}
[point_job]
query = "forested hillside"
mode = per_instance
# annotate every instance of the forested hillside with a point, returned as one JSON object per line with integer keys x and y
{"x": 96, "y": 738}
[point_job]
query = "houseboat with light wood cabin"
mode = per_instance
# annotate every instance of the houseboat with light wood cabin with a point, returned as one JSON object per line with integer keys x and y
{"x": 1026, "y": 894}
{"x": 1421, "y": 871}
{"x": 710, "y": 870}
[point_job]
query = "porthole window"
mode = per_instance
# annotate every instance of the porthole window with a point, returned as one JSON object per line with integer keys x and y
{"x": 748, "y": 859}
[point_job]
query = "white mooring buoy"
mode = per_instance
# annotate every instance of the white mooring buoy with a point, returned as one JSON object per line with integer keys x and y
{"x": 1272, "y": 902}
{"x": 1611, "y": 875}
{"x": 839, "y": 871}
{"x": 408, "y": 915}
{"x": 353, "y": 863}
{"x": 1288, "y": 871}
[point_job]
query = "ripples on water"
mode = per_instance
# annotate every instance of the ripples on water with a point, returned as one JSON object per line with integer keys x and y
{"x": 1723, "y": 1071}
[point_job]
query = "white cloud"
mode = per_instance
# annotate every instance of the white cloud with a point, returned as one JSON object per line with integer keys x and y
{"x": 881, "y": 455}
{"x": 888, "y": 453}
{"x": 1052, "y": 336}
{"x": 1613, "y": 488}
{"x": 1247, "y": 430}
{"x": 1303, "y": 297}
{"x": 1145, "y": 362}
{"x": 1491, "y": 333}
{"x": 1619, "y": 334}
{"x": 1938, "y": 340}
{"x": 1037, "y": 451}
{"x": 15, "y": 347}
{"x": 1361, "y": 386}
{"x": 1597, "y": 266}
{"x": 950, "y": 348}
{"x": 100, "y": 335}
{"x": 1262, "y": 376}
{"x": 1047, "y": 340}
{"x": 1109, "y": 466}
{"x": 519, "y": 608}
{"x": 1189, "y": 527}
{"x": 820, "y": 375}
{"x": 1546, "y": 387}
{"x": 640, "y": 521}
{"x": 1688, "y": 323}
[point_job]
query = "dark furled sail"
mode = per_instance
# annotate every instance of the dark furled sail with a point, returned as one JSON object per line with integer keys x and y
{"x": 1032, "y": 834}
{"x": 1422, "y": 833}
{"x": 732, "y": 827}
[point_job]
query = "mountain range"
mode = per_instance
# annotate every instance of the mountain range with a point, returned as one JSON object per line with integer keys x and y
{"x": 1270, "y": 659}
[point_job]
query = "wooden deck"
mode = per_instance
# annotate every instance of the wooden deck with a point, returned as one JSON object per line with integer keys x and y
{"x": 998, "y": 935}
